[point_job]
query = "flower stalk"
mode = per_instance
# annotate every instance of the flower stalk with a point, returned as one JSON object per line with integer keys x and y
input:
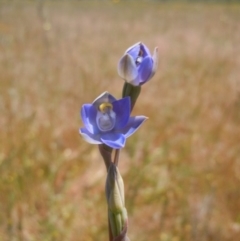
{"x": 106, "y": 153}
{"x": 132, "y": 91}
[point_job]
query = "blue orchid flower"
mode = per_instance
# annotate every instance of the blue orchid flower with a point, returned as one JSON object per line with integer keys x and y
{"x": 137, "y": 65}
{"x": 107, "y": 121}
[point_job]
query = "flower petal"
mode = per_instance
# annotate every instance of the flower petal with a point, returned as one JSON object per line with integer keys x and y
{"x": 88, "y": 114}
{"x": 89, "y": 137}
{"x": 145, "y": 50}
{"x": 122, "y": 108}
{"x": 127, "y": 68}
{"x": 103, "y": 98}
{"x": 114, "y": 140}
{"x": 155, "y": 62}
{"x": 133, "y": 124}
{"x": 145, "y": 70}
{"x": 136, "y": 81}
{"x": 134, "y": 50}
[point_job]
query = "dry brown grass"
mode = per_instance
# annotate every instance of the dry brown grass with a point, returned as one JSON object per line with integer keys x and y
{"x": 181, "y": 169}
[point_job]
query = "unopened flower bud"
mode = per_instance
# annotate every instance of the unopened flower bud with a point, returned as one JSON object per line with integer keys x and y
{"x": 115, "y": 199}
{"x": 137, "y": 65}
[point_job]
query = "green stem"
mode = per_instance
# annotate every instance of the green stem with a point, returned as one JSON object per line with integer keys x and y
{"x": 132, "y": 91}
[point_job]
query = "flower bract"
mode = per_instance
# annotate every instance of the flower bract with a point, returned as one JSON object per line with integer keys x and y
{"x": 108, "y": 121}
{"x": 117, "y": 212}
{"x": 137, "y": 65}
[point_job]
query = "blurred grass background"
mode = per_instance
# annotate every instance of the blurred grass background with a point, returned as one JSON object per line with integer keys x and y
{"x": 181, "y": 169}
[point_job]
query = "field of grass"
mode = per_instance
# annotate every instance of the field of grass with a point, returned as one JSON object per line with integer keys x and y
{"x": 181, "y": 169}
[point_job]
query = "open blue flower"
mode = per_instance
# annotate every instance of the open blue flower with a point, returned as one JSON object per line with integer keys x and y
{"x": 107, "y": 121}
{"x": 137, "y": 65}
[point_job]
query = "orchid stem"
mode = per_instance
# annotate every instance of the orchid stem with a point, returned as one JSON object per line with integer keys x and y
{"x": 106, "y": 153}
{"x": 116, "y": 157}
